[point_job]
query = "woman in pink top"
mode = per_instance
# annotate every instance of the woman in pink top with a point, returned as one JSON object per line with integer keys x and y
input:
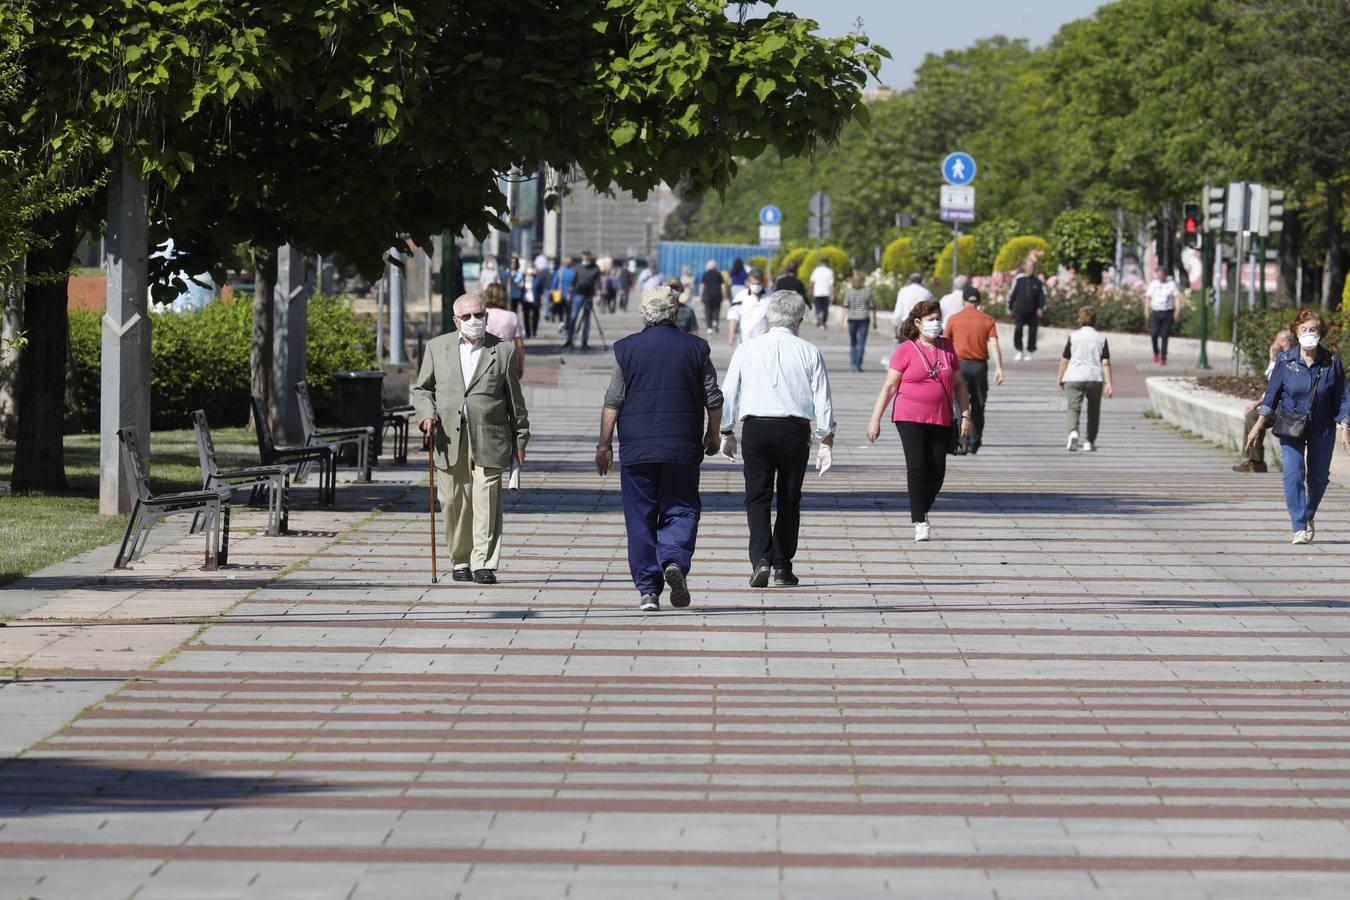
{"x": 503, "y": 323}
{"x": 922, "y": 381}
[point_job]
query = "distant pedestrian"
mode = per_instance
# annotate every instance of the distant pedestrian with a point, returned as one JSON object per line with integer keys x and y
{"x": 505, "y": 324}
{"x": 582, "y": 304}
{"x": 685, "y": 318}
{"x": 974, "y": 336}
{"x": 789, "y": 281}
{"x": 627, "y": 278}
{"x": 536, "y": 289}
{"x": 748, "y": 318}
{"x": 560, "y": 293}
{"x": 1026, "y": 303}
{"x": 1162, "y": 313}
{"x": 611, "y": 287}
{"x": 515, "y": 284}
{"x": 862, "y": 314}
{"x": 909, "y": 296}
{"x": 711, "y": 287}
{"x": 1085, "y": 374}
{"x": 738, "y": 274}
{"x": 1256, "y": 452}
{"x": 1306, "y": 399}
{"x": 777, "y": 389}
{"x": 955, "y": 301}
{"x": 488, "y": 273}
{"x": 920, "y": 386}
{"x": 662, "y": 386}
{"x": 822, "y": 292}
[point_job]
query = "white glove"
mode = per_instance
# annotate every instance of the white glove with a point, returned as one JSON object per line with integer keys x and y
{"x": 824, "y": 459}
{"x": 729, "y": 446}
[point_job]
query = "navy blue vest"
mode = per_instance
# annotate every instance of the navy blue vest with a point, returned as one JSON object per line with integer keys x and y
{"x": 664, "y": 400}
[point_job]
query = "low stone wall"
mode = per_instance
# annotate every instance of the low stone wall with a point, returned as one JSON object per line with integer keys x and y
{"x": 1218, "y": 418}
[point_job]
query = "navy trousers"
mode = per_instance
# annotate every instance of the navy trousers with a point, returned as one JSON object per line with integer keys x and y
{"x": 661, "y": 507}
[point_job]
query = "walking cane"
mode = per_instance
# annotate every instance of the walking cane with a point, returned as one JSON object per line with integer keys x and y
{"x": 431, "y": 497}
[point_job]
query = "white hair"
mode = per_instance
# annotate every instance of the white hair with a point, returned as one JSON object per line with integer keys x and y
{"x": 659, "y": 305}
{"x": 786, "y": 310}
{"x": 959, "y": 282}
{"x": 463, "y": 299}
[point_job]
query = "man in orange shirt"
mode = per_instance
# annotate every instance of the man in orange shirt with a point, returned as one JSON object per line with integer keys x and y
{"x": 974, "y": 334}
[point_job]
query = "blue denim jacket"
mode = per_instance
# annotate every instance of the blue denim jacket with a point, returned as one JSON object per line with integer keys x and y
{"x": 1291, "y": 383}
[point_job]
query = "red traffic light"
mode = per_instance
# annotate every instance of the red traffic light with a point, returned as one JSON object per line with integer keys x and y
{"x": 1192, "y": 225}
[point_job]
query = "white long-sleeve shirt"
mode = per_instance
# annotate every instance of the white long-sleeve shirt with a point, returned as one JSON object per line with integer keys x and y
{"x": 778, "y": 374}
{"x": 909, "y": 295}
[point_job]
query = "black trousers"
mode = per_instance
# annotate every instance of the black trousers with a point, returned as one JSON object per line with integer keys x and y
{"x": 774, "y": 451}
{"x": 1160, "y": 329}
{"x": 925, "y": 464}
{"x": 529, "y": 317}
{"x": 1031, "y": 322}
{"x": 975, "y": 373}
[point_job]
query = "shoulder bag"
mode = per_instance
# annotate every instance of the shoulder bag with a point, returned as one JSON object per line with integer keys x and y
{"x": 1293, "y": 425}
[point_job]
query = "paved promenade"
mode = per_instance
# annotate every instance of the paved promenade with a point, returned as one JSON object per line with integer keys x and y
{"x": 1108, "y": 676}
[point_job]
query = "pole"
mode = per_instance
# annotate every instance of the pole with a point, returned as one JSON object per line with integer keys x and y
{"x": 431, "y": 496}
{"x": 956, "y": 247}
{"x": 1120, "y": 248}
{"x": 379, "y": 320}
{"x": 396, "y": 293}
{"x": 1261, "y": 252}
{"x": 1206, "y": 291}
{"x": 1237, "y": 297}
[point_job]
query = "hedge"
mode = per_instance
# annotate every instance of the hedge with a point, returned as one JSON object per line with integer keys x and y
{"x": 1084, "y": 241}
{"x": 1257, "y": 327}
{"x": 898, "y": 257}
{"x": 787, "y": 257}
{"x": 968, "y": 263}
{"x": 990, "y": 237}
{"x": 759, "y": 262}
{"x": 1015, "y": 252}
{"x": 835, "y": 257}
{"x": 200, "y": 360}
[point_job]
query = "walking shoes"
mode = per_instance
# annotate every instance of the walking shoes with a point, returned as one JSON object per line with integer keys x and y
{"x": 1072, "y": 443}
{"x": 1250, "y": 466}
{"x": 679, "y": 591}
{"x": 761, "y": 577}
{"x": 783, "y": 577}
{"x": 649, "y": 603}
{"x": 462, "y": 574}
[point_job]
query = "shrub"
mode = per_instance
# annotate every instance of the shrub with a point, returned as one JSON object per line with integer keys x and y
{"x": 989, "y": 239}
{"x": 929, "y": 239}
{"x": 787, "y": 257}
{"x": 885, "y": 287}
{"x": 942, "y": 271}
{"x": 1084, "y": 241}
{"x": 836, "y": 258}
{"x": 1257, "y": 327}
{"x": 1015, "y": 252}
{"x": 199, "y": 360}
{"x": 759, "y": 262}
{"x": 898, "y": 258}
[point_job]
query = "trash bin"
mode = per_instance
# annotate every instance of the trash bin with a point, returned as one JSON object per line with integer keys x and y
{"x": 362, "y": 397}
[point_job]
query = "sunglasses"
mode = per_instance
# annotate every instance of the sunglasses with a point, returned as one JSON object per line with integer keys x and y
{"x": 477, "y": 315}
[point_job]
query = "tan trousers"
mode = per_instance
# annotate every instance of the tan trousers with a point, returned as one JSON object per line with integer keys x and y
{"x": 471, "y": 512}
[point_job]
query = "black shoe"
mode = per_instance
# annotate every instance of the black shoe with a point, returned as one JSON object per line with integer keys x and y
{"x": 484, "y": 576}
{"x": 461, "y": 574}
{"x": 783, "y": 577}
{"x": 761, "y": 577}
{"x": 679, "y": 591}
{"x": 649, "y": 603}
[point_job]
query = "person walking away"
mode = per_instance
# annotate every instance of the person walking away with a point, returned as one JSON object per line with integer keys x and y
{"x": 822, "y": 292}
{"x": 789, "y": 281}
{"x": 1026, "y": 303}
{"x": 536, "y": 286}
{"x": 710, "y": 293}
{"x": 582, "y": 301}
{"x": 748, "y": 318}
{"x": 778, "y": 390}
{"x": 920, "y": 384}
{"x": 611, "y": 288}
{"x": 1306, "y": 400}
{"x": 627, "y": 275}
{"x": 1085, "y": 373}
{"x": 468, "y": 399}
{"x": 1162, "y": 311}
{"x": 560, "y": 298}
{"x": 685, "y": 318}
{"x": 908, "y": 297}
{"x": 664, "y": 399}
{"x": 488, "y": 273}
{"x": 515, "y": 281}
{"x": 504, "y": 324}
{"x": 955, "y": 301}
{"x": 1256, "y": 453}
{"x": 738, "y": 274}
{"x": 974, "y": 336}
{"x": 861, "y": 313}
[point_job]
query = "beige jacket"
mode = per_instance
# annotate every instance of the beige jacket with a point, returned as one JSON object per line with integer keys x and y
{"x": 496, "y": 420}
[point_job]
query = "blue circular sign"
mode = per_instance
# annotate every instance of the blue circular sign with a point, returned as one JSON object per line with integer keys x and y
{"x": 770, "y": 215}
{"x": 958, "y": 168}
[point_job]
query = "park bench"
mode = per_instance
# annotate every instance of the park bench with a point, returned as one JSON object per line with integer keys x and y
{"x": 361, "y": 438}
{"x": 324, "y": 456}
{"x": 272, "y": 482}
{"x": 212, "y": 506}
{"x": 398, "y": 418}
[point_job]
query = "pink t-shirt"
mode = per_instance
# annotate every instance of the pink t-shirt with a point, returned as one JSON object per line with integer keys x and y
{"x": 922, "y": 397}
{"x": 504, "y": 324}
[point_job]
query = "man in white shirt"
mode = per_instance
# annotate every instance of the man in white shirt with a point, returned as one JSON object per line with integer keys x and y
{"x": 953, "y": 303}
{"x": 747, "y": 317}
{"x": 1162, "y": 311}
{"x": 913, "y": 292}
{"x": 822, "y": 292}
{"x": 778, "y": 389}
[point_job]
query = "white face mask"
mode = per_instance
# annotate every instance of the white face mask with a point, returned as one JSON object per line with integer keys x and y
{"x": 472, "y": 328}
{"x": 1309, "y": 339}
{"x": 931, "y": 328}
{"x": 756, "y": 289}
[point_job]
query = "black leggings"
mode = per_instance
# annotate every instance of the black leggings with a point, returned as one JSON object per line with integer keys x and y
{"x": 529, "y": 317}
{"x": 925, "y": 464}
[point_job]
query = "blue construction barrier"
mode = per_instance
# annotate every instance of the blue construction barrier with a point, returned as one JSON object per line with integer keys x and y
{"x": 673, "y": 256}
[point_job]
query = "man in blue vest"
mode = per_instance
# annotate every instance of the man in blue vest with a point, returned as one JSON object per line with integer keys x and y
{"x": 661, "y": 387}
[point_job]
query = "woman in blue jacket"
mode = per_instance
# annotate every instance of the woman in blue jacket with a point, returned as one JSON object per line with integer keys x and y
{"x": 1308, "y": 381}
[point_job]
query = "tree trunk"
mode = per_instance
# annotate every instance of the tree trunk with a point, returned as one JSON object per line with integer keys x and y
{"x": 260, "y": 348}
{"x": 1291, "y": 252}
{"x": 11, "y": 323}
{"x": 1333, "y": 275}
{"x": 39, "y": 457}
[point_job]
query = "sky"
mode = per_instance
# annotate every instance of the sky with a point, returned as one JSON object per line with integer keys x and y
{"x": 910, "y": 29}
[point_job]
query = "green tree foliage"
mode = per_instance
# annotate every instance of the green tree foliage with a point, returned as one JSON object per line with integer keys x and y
{"x": 928, "y": 241}
{"x": 942, "y": 269}
{"x": 990, "y": 236}
{"x": 834, "y": 257}
{"x": 788, "y": 257}
{"x": 1084, "y": 241}
{"x": 1015, "y": 252}
{"x": 899, "y": 257}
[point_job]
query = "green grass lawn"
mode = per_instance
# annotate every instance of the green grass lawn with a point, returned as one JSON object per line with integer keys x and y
{"x": 37, "y": 530}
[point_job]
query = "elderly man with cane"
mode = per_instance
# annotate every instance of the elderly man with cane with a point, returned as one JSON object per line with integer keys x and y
{"x": 778, "y": 389}
{"x": 468, "y": 398}
{"x": 662, "y": 386}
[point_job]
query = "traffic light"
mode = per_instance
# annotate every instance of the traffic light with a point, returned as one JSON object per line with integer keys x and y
{"x": 1214, "y": 198}
{"x": 1190, "y": 225}
{"x": 1274, "y": 211}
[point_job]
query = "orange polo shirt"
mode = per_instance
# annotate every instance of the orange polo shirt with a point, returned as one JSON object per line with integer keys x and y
{"x": 970, "y": 331}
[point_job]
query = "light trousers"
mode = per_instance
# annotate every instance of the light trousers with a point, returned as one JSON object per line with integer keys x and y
{"x": 471, "y": 512}
{"x": 1077, "y": 392}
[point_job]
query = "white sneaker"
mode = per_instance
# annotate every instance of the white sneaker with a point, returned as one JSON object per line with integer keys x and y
{"x": 921, "y": 531}
{"x": 1072, "y": 443}
{"x": 1087, "y": 445}
{"x": 1029, "y": 356}
{"x": 1300, "y": 537}
{"x": 1018, "y": 356}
